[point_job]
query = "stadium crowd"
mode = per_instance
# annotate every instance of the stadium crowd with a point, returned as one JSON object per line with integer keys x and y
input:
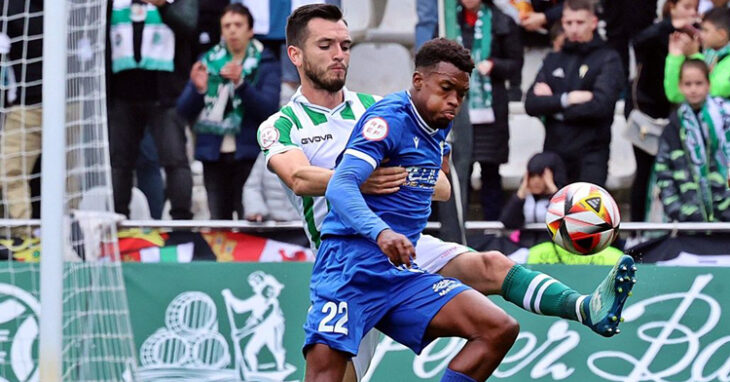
{"x": 190, "y": 81}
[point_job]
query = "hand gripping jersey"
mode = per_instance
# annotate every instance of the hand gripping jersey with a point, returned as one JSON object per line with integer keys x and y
{"x": 321, "y": 134}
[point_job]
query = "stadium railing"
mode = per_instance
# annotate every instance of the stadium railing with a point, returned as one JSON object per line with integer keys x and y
{"x": 245, "y": 226}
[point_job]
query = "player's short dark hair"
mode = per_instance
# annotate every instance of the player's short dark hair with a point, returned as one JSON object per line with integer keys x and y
{"x": 241, "y": 10}
{"x": 444, "y": 50}
{"x": 296, "y": 24}
{"x": 581, "y": 5}
{"x": 719, "y": 17}
{"x": 697, "y": 64}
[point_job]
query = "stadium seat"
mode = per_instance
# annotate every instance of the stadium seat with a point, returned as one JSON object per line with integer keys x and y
{"x": 622, "y": 164}
{"x": 359, "y": 16}
{"x": 398, "y": 23}
{"x": 526, "y": 138}
{"x": 526, "y": 135}
{"x": 94, "y": 199}
{"x": 379, "y": 68}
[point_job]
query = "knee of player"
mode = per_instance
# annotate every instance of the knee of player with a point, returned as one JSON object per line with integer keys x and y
{"x": 505, "y": 333}
{"x": 496, "y": 264}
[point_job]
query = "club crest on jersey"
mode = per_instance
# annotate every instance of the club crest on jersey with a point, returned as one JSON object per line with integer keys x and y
{"x": 268, "y": 136}
{"x": 375, "y": 129}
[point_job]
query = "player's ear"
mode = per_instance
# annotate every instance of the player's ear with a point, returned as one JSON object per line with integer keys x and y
{"x": 295, "y": 55}
{"x": 417, "y": 80}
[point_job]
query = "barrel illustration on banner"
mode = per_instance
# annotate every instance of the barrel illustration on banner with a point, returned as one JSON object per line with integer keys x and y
{"x": 190, "y": 347}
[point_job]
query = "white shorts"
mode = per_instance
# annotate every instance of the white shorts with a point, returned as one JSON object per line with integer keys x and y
{"x": 433, "y": 253}
{"x": 365, "y": 353}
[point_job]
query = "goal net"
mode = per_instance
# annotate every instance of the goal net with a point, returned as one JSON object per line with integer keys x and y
{"x": 96, "y": 340}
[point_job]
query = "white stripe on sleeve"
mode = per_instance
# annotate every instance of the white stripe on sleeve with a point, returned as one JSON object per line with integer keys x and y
{"x": 363, "y": 156}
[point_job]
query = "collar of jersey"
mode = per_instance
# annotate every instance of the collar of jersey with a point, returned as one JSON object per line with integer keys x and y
{"x": 421, "y": 123}
{"x": 298, "y": 97}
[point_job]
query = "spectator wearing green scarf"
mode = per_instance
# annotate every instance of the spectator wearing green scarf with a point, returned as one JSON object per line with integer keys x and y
{"x": 233, "y": 88}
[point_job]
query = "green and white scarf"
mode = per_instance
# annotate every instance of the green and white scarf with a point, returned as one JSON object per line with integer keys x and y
{"x": 158, "y": 40}
{"x": 223, "y": 111}
{"x": 712, "y": 56}
{"x": 707, "y": 142}
{"x": 480, "y": 87}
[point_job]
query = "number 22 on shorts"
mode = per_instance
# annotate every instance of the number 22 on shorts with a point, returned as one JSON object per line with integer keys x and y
{"x": 331, "y": 311}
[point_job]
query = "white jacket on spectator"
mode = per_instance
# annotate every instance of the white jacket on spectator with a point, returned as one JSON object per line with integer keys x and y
{"x": 263, "y": 195}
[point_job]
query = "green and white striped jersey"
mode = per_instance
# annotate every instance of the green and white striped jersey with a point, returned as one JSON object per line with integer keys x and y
{"x": 321, "y": 134}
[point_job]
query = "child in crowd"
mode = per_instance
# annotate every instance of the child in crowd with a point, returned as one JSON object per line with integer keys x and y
{"x": 694, "y": 152}
{"x": 714, "y": 35}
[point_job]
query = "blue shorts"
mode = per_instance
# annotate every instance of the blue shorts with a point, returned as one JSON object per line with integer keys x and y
{"x": 354, "y": 288}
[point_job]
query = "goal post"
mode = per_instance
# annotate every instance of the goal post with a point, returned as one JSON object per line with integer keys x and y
{"x": 53, "y": 168}
{"x": 70, "y": 318}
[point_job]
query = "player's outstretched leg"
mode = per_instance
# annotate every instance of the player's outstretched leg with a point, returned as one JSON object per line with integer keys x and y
{"x": 489, "y": 332}
{"x": 601, "y": 311}
{"x": 493, "y": 273}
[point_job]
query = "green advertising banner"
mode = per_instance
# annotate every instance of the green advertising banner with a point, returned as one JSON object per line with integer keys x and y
{"x": 242, "y": 322}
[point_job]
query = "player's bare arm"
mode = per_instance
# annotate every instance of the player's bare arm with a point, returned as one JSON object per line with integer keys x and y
{"x": 294, "y": 169}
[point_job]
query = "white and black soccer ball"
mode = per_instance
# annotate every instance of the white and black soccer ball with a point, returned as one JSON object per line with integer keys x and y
{"x": 583, "y": 218}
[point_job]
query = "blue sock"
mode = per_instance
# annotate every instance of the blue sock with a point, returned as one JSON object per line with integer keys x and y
{"x": 455, "y": 376}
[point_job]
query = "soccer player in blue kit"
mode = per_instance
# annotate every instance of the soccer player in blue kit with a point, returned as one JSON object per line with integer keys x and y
{"x": 364, "y": 275}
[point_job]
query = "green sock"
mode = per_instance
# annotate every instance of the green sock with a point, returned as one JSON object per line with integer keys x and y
{"x": 539, "y": 293}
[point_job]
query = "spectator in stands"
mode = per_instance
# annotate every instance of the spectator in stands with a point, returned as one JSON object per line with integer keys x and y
{"x": 539, "y": 16}
{"x": 150, "y": 42}
{"x": 715, "y": 38}
{"x": 651, "y": 47}
{"x": 575, "y": 93}
{"x": 209, "y": 28}
{"x": 235, "y": 84}
{"x": 264, "y": 197}
{"x": 544, "y": 176}
{"x": 20, "y": 141}
{"x": 148, "y": 176}
{"x": 694, "y": 152}
{"x": 494, "y": 41}
{"x": 428, "y": 18}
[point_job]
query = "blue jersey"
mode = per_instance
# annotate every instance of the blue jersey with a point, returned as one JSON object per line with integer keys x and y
{"x": 391, "y": 129}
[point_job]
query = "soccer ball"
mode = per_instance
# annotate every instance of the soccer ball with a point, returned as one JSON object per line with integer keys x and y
{"x": 583, "y": 218}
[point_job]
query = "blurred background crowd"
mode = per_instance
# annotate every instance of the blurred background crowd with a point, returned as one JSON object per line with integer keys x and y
{"x": 625, "y": 94}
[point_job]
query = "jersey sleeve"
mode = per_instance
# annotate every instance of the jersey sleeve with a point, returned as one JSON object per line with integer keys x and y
{"x": 374, "y": 137}
{"x": 274, "y": 136}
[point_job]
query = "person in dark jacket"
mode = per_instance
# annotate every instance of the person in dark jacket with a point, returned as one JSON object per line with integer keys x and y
{"x": 150, "y": 44}
{"x": 651, "y": 47}
{"x": 236, "y": 87}
{"x": 497, "y": 52}
{"x": 544, "y": 176}
{"x": 575, "y": 92}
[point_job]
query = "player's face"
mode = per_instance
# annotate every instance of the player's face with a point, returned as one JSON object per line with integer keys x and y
{"x": 694, "y": 85}
{"x": 235, "y": 31}
{"x": 579, "y": 25}
{"x": 439, "y": 92}
{"x": 325, "y": 55}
